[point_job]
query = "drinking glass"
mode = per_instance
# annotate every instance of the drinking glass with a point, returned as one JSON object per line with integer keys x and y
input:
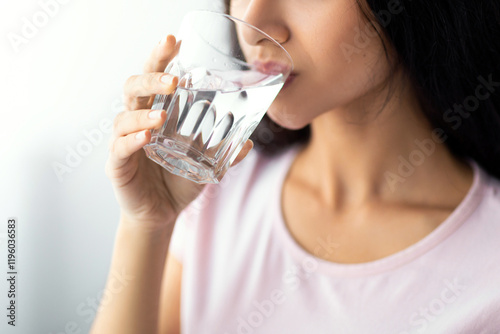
{"x": 229, "y": 74}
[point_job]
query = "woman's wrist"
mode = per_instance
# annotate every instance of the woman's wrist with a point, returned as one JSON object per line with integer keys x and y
{"x": 148, "y": 226}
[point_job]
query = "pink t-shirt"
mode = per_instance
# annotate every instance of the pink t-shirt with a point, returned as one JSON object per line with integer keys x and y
{"x": 244, "y": 273}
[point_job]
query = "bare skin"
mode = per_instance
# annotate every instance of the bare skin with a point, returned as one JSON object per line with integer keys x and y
{"x": 336, "y": 185}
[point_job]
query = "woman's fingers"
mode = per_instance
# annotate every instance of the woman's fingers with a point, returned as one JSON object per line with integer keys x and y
{"x": 162, "y": 54}
{"x": 122, "y": 148}
{"x": 243, "y": 153}
{"x": 145, "y": 85}
{"x": 128, "y": 122}
{"x": 139, "y": 90}
{"x": 131, "y": 133}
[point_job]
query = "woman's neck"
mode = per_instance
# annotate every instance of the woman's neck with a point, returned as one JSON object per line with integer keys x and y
{"x": 383, "y": 150}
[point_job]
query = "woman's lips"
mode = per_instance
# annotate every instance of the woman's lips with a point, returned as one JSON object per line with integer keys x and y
{"x": 271, "y": 67}
{"x": 275, "y": 68}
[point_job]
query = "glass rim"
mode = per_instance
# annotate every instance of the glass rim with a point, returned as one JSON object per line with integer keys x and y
{"x": 237, "y": 20}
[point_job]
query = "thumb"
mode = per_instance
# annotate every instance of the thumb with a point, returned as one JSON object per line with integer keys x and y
{"x": 243, "y": 153}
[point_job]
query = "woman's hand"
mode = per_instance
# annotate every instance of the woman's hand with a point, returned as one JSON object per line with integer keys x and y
{"x": 147, "y": 193}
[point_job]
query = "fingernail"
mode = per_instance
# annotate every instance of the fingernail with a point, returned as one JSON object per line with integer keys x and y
{"x": 163, "y": 40}
{"x": 140, "y": 136}
{"x": 155, "y": 114}
{"x": 168, "y": 79}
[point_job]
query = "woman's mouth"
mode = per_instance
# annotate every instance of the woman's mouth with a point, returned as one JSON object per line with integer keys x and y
{"x": 275, "y": 68}
{"x": 271, "y": 67}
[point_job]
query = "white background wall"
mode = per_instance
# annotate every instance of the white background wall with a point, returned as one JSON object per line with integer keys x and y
{"x": 63, "y": 81}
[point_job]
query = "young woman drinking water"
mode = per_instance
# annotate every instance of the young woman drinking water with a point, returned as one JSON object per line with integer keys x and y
{"x": 370, "y": 204}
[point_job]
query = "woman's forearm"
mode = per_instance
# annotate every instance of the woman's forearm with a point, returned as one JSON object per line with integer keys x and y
{"x": 131, "y": 300}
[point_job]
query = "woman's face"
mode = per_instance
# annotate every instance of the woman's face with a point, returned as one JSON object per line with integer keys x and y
{"x": 333, "y": 65}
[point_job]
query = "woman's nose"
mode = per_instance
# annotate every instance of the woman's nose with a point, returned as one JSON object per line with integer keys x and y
{"x": 267, "y": 15}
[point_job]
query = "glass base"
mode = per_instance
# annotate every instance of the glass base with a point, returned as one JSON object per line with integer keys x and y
{"x": 182, "y": 160}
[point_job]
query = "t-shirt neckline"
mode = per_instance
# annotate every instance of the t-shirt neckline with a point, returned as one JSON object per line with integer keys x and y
{"x": 461, "y": 213}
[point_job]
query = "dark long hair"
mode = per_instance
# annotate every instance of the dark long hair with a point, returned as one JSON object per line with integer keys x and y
{"x": 450, "y": 49}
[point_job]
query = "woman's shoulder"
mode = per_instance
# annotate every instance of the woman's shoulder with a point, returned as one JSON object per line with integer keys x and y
{"x": 249, "y": 184}
{"x": 259, "y": 167}
{"x": 257, "y": 173}
{"x": 233, "y": 206}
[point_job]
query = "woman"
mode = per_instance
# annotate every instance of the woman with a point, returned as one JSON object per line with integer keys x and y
{"x": 372, "y": 204}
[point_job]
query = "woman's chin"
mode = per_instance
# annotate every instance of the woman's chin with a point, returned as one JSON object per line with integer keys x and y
{"x": 286, "y": 120}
